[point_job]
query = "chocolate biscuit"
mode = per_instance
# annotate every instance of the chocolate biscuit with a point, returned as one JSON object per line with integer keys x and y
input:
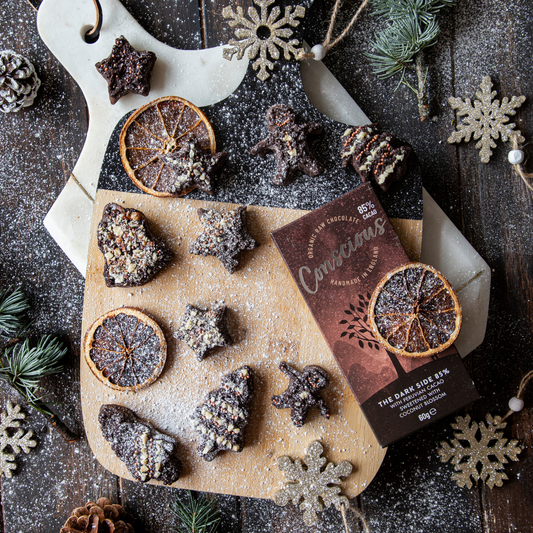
{"x": 147, "y": 453}
{"x": 288, "y": 141}
{"x": 133, "y": 256}
{"x": 303, "y": 392}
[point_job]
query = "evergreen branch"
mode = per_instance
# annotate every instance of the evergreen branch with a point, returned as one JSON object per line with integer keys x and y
{"x": 396, "y": 46}
{"x": 23, "y": 367}
{"x": 14, "y": 308}
{"x": 422, "y": 9}
{"x": 399, "y": 47}
{"x": 200, "y": 515}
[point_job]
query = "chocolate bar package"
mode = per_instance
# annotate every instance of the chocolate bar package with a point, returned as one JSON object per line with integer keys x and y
{"x": 337, "y": 255}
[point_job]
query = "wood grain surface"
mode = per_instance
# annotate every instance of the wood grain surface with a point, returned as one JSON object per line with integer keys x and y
{"x": 268, "y": 321}
{"x": 412, "y": 491}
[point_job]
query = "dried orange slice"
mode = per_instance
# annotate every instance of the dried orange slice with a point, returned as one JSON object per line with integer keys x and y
{"x": 414, "y": 311}
{"x": 125, "y": 349}
{"x": 157, "y": 128}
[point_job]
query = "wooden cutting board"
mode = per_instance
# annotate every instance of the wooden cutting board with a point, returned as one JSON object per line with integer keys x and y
{"x": 268, "y": 322}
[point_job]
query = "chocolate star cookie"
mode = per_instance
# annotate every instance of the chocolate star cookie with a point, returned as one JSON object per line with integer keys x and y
{"x": 133, "y": 256}
{"x": 288, "y": 141}
{"x": 148, "y": 453}
{"x": 303, "y": 392}
{"x": 221, "y": 419}
{"x": 203, "y": 329}
{"x": 193, "y": 168}
{"x": 126, "y": 70}
{"x": 374, "y": 155}
{"x": 224, "y": 236}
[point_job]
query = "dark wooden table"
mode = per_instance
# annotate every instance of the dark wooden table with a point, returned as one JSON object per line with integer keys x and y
{"x": 488, "y": 202}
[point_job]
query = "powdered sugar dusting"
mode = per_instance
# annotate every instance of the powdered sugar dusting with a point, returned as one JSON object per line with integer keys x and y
{"x": 267, "y": 322}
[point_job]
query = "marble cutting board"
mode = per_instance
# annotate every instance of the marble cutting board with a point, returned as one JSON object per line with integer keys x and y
{"x": 69, "y": 220}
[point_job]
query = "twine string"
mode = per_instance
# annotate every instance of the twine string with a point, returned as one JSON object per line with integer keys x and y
{"x": 92, "y": 35}
{"x": 521, "y": 387}
{"x": 327, "y": 44}
{"x": 526, "y": 177}
{"x": 358, "y": 514}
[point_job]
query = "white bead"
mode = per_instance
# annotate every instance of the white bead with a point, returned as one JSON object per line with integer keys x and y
{"x": 319, "y": 52}
{"x": 515, "y": 157}
{"x": 516, "y": 404}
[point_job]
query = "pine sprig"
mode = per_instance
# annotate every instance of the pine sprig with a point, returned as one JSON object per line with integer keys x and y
{"x": 412, "y": 28}
{"x": 201, "y": 515}
{"x": 23, "y": 367}
{"x": 397, "y": 9}
{"x": 14, "y": 308}
{"x": 397, "y": 46}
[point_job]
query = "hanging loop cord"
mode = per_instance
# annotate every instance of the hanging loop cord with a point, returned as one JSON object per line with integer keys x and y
{"x": 319, "y": 50}
{"x": 344, "y": 508}
{"x": 516, "y": 404}
{"x": 92, "y": 35}
{"x": 526, "y": 177}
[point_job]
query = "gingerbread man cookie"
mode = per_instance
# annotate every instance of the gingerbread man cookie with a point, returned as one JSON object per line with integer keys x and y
{"x": 303, "y": 392}
{"x": 288, "y": 141}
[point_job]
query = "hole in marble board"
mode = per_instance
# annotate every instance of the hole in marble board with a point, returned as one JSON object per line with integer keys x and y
{"x": 92, "y": 38}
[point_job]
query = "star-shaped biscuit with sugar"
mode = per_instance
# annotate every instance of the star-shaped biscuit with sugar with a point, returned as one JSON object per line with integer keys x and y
{"x": 203, "y": 329}
{"x": 224, "y": 236}
{"x": 126, "y": 70}
{"x": 193, "y": 168}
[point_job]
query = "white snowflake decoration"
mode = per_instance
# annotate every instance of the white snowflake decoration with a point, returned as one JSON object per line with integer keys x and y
{"x": 262, "y": 34}
{"x": 467, "y": 458}
{"x": 312, "y": 484}
{"x": 17, "y": 442}
{"x": 486, "y": 119}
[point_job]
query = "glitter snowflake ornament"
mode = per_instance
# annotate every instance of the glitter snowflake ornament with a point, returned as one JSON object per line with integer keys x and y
{"x": 264, "y": 33}
{"x": 486, "y": 119}
{"x": 480, "y": 460}
{"x": 13, "y": 440}
{"x": 316, "y": 487}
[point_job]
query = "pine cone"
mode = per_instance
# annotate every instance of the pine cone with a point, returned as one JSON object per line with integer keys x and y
{"x": 99, "y": 517}
{"x": 18, "y": 82}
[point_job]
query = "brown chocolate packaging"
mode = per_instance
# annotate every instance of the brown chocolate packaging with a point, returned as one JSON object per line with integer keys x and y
{"x": 337, "y": 255}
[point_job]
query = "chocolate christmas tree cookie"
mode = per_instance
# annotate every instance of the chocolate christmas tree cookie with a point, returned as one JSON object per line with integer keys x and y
{"x": 224, "y": 236}
{"x": 147, "y": 453}
{"x": 374, "y": 155}
{"x": 303, "y": 392}
{"x": 125, "y": 349}
{"x": 288, "y": 141}
{"x": 204, "y": 329}
{"x": 133, "y": 256}
{"x": 193, "y": 168}
{"x": 221, "y": 419}
{"x": 126, "y": 70}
